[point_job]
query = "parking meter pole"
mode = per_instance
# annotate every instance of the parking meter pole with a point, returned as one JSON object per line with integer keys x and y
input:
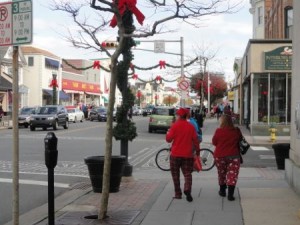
{"x": 51, "y": 197}
{"x": 124, "y": 151}
{"x": 51, "y": 152}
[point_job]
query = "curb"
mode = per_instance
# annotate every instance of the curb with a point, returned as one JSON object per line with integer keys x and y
{"x": 40, "y": 214}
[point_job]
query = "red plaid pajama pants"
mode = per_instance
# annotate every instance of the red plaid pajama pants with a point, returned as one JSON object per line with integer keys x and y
{"x": 186, "y": 166}
{"x": 228, "y": 170}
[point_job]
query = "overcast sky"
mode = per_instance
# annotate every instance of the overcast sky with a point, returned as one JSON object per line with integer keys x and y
{"x": 227, "y": 34}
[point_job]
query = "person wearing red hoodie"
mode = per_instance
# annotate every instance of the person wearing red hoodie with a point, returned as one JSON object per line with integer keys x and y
{"x": 227, "y": 155}
{"x": 184, "y": 139}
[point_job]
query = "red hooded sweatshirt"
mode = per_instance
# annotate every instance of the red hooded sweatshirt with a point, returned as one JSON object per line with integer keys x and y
{"x": 226, "y": 141}
{"x": 183, "y": 136}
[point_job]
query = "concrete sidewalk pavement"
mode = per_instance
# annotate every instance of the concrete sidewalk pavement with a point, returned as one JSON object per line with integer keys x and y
{"x": 262, "y": 197}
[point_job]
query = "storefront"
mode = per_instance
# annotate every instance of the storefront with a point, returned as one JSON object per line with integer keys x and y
{"x": 266, "y": 69}
{"x": 81, "y": 92}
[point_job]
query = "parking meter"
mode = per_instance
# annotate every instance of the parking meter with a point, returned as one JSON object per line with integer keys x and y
{"x": 50, "y": 150}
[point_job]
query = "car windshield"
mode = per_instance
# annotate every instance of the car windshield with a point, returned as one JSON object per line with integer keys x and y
{"x": 163, "y": 111}
{"x": 47, "y": 110}
{"x": 27, "y": 111}
{"x": 101, "y": 110}
{"x": 71, "y": 110}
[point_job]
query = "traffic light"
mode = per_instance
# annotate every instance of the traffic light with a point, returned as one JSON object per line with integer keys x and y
{"x": 109, "y": 44}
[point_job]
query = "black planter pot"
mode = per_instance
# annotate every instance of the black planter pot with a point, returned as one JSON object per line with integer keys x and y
{"x": 281, "y": 151}
{"x": 95, "y": 166}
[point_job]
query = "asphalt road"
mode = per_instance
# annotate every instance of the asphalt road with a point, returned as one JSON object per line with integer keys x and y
{"x": 76, "y": 143}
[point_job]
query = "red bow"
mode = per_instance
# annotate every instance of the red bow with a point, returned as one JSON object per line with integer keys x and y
{"x": 162, "y": 64}
{"x": 96, "y": 65}
{"x": 131, "y": 6}
{"x": 158, "y": 78}
{"x": 135, "y": 76}
{"x": 53, "y": 83}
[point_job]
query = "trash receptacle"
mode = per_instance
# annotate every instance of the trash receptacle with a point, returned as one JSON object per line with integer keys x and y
{"x": 281, "y": 151}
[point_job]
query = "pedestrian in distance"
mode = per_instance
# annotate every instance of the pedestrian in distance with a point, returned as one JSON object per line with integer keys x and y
{"x": 183, "y": 137}
{"x": 195, "y": 124}
{"x": 227, "y": 155}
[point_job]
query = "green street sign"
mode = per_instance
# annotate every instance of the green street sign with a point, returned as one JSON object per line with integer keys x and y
{"x": 22, "y": 22}
{"x": 279, "y": 58}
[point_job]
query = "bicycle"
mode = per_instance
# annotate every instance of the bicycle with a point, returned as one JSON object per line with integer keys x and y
{"x": 162, "y": 159}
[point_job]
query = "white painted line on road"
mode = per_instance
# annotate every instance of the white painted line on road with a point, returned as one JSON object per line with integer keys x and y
{"x": 35, "y": 182}
{"x": 45, "y": 173}
{"x": 259, "y": 148}
{"x": 267, "y": 156}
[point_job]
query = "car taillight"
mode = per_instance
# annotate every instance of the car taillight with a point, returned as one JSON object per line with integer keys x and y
{"x": 151, "y": 120}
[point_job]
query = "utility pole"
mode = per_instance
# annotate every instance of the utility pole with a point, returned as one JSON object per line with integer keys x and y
{"x": 15, "y": 113}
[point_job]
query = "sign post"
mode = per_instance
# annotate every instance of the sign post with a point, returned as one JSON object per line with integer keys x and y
{"x": 15, "y": 29}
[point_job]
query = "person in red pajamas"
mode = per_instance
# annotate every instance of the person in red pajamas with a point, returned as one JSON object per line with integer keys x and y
{"x": 184, "y": 139}
{"x": 227, "y": 155}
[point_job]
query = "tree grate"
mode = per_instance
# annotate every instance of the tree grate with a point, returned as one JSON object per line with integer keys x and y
{"x": 124, "y": 217}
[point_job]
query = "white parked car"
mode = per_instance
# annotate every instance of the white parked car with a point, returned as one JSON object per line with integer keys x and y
{"x": 75, "y": 115}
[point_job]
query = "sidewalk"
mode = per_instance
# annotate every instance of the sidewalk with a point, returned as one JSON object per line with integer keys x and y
{"x": 262, "y": 198}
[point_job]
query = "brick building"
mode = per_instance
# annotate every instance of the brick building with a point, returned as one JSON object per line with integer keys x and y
{"x": 278, "y": 19}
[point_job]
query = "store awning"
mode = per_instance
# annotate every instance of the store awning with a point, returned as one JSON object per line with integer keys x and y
{"x": 92, "y": 93}
{"x": 62, "y": 95}
{"x": 51, "y": 63}
{"x": 5, "y": 85}
{"x": 105, "y": 99}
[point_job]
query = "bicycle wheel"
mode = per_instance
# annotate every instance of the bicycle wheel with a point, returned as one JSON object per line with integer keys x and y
{"x": 162, "y": 159}
{"x": 207, "y": 159}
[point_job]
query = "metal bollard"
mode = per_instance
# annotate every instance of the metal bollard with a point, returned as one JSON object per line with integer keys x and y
{"x": 51, "y": 161}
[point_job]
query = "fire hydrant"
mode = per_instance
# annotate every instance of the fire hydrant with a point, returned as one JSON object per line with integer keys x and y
{"x": 273, "y": 131}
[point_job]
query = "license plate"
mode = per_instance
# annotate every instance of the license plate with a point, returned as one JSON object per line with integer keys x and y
{"x": 162, "y": 123}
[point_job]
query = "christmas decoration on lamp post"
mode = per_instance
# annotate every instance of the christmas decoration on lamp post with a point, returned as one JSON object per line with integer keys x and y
{"x": 54, "y": 86}
{"x": 139, "y": 95}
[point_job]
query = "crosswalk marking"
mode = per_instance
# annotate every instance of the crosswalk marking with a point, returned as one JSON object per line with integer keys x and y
{"x": 35, "y": 182}
{"x": 259, "y": 148}
{"x": 266, "y": 156}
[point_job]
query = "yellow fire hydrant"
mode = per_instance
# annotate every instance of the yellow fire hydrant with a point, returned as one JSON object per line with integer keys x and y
{"x": 273, "y": 134}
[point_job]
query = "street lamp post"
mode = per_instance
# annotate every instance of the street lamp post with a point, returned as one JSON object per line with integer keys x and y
{"x": 54, "y": 89}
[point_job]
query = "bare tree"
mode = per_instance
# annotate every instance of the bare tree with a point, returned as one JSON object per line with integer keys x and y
{"x": 87, "y": 37}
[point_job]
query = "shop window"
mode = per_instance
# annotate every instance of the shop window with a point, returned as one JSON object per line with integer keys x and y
{"x": 278, "y": 98}
{"x": 260, "y": 98}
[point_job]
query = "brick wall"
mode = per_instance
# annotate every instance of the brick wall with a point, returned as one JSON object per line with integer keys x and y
{"x": 275, "y": 18}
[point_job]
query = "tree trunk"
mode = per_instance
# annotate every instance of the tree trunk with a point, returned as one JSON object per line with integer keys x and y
{"x": 102, "y": 214}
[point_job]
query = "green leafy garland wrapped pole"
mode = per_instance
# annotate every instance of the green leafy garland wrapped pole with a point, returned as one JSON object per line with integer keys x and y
{"x": 125, "y": 130}
{"x": 54, "y": 86}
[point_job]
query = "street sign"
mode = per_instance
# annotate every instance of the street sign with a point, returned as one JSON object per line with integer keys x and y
{"x": 159, "y": 46}
{"x": 16, "y": 22}
{"x": 22, "y": 22}
{"x": 183, "y": 85}
{"x": 184, "y": 95}
{"x": 5, "y": 24}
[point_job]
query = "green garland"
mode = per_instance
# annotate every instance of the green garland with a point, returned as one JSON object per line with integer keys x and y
{"x": 125, "y": 129}
{"x": 136, "y": 67}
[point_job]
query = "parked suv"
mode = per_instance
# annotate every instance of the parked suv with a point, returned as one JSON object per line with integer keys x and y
{"x": 50, "y": 116}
